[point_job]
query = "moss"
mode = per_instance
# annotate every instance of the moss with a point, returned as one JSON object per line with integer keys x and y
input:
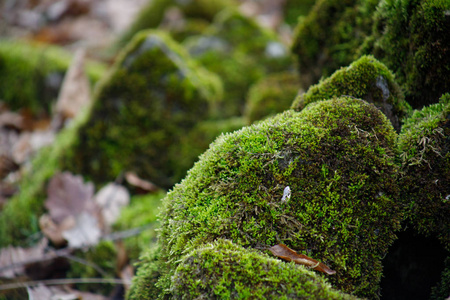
{"x": 224, "y": 270}
{"x": 153, "y": 13}
{"x": 411, "y": 38}
{"x": 424, "y": 144}
{"x": 366, "y": 79}
{"x": 241, "y": 52}
{"x": 329, "y": 36}
{"x": 19, "y": 217}
{"x": 142, "y": 212}
{"x": 442, "y": 289}
{"x": 293, "y": 9}
{"x": 155, "y": 95}
{"x": 271, "y": 95}
{"x": 336, "y": 156}
{"x": 31, "y": 74}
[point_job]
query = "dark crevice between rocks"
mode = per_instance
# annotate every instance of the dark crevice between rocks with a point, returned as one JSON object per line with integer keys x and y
{"x": 413, "y": 266}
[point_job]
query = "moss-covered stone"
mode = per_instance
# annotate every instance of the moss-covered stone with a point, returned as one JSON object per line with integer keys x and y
{"x": 154, "y": 96}
{"x": 221, "y": 270}
{"x": 271, "y": 95}
{"x": 31, "y": 75}
{"x": 366, "y": 79}
{"x": 337, "y": 158}
{"x": 329, "y": 36}
{"x": 424, "y": 144}
{"x": 411, "y": 38}
{"x": 241, "y": 52}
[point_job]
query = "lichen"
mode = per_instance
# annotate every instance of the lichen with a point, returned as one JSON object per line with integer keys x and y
{"x": 154, "y": 95}
{"x": 367, "y": 79}
{"x": 337, "y": 156}
{"x": 424, "y": 145}
{"x": 271, "y": 95}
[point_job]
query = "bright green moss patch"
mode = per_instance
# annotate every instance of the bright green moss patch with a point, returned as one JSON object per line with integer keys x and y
{"x": 271, "y": 95}
{"x": 224, "y": 270}
{"x": 154, "y": 96}
{"x": 366, "y": 79}
{"x": 31, "y": 75}
{"x": 424, "y": 144}
{"x": 241, "y": 52}
{"x": 337, "y": 158}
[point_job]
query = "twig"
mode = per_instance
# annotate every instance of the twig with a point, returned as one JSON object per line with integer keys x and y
{"x": 17, "y": 285}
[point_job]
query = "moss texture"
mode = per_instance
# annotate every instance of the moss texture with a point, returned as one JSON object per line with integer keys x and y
{"x": 366, "y": 79}
{"x": 411, "y": 38}
{"x": 271, "y": 95}
{"x": 294, "y": 9}
{"x": 241, "y": 52}
{"x": 221, "y": 270}
{"x": 329, "y": 36}
{"x": 442, "y": 289}
{"x": 31, "y": 75}
{"x": 154, "y": 96}
{"x": 424, "y": 144}
{"x": 336, "y": 156}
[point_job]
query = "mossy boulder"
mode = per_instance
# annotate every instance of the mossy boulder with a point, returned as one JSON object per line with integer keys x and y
{"x": 271, "y": 95}
{"x": 329, "y": 36}
{"x": 367, "y": 79}
{"x": 336, "y": 156}
{"x": 221, "y": 270}
{"x": 31, "y": 75}
{"x": 424, "y": 144}
{"x": 154, "y": 95}
{"x": 411, "y": 38}
{"x": 241, "y": 52}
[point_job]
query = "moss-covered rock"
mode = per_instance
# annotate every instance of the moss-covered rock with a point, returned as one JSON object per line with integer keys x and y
{"x": 271, "y": 95}
{"x": 424, "y": 144}
{"x": 329, "y": 36}
{"x": 154, "y": 95}
{"x": 241, "y": 52}
{"x": 31, "y": 75}
{"x": 221, "y": 270}
{"x": 337, "y": 158}
{"x": 366, "y": 79}
{"x": 411, "y": 38}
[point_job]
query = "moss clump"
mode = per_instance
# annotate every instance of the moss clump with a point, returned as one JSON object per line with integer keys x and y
{"x": 31, "y": 75}
{"x": 293, "y": 9}
{"x": 424, "y": 144}
{"x": 154, "y": 96}
{"x": 366, "y": 79}
{"x": 221, "y": 270}
{"x": 337, "y": 158}
{"x": 411, "y": 38}
{"x": 271, "y": 95}
{"x": 142, "y": 212}
{"x": 329, "y": 36}
{"x": 241, "y": 52}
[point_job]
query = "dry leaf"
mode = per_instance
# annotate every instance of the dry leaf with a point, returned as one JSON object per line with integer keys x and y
{"x": 55, "y": 231}
{"x": 69, "y": 196}
{"x": 17, "y": 255}
{"x": 111, "y": 198}
{"x": 85, "y": 233}
{"x": 9, "y": 119}
{"x": 145, "y": 185}
{"x": 286, "y": 253}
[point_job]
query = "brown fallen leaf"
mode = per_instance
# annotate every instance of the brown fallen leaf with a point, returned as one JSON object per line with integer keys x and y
{"x": 142, "y": 184}
{"x": 286, "y": 253}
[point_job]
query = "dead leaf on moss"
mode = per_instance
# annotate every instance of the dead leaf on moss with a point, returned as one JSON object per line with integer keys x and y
{"x": 145, "y": 185}
{"x": 286, "y": 253}
{"x": 111, "y": 198}
{"x": 86, "y": 231}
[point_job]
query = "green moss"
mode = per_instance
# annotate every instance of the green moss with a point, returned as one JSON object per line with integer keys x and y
{"x": 271, "y": 95}
{"x": 411, "y": 38}
{"x": 366, "y": 79}
{"x": 329, "y": 36}
{"x": 442, "y": 290}
{"x": 19, "y": 217}
{"x": 424, "y": 145}
{"x": 294, "y": 9}
{"x": 241, "y": 52}
{"x": 224, "y": 270}
{"x": 337, "y": 158}
{"x": 155, "y": 95}
{"x": 31, "y": 74}
{"x": 142, "y": 212}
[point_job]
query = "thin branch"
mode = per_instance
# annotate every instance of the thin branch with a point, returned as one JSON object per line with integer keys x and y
{"x": 17, "y": 285}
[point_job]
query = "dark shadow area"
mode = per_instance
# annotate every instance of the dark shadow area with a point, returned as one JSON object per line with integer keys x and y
{"x": 412, "y": 267}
